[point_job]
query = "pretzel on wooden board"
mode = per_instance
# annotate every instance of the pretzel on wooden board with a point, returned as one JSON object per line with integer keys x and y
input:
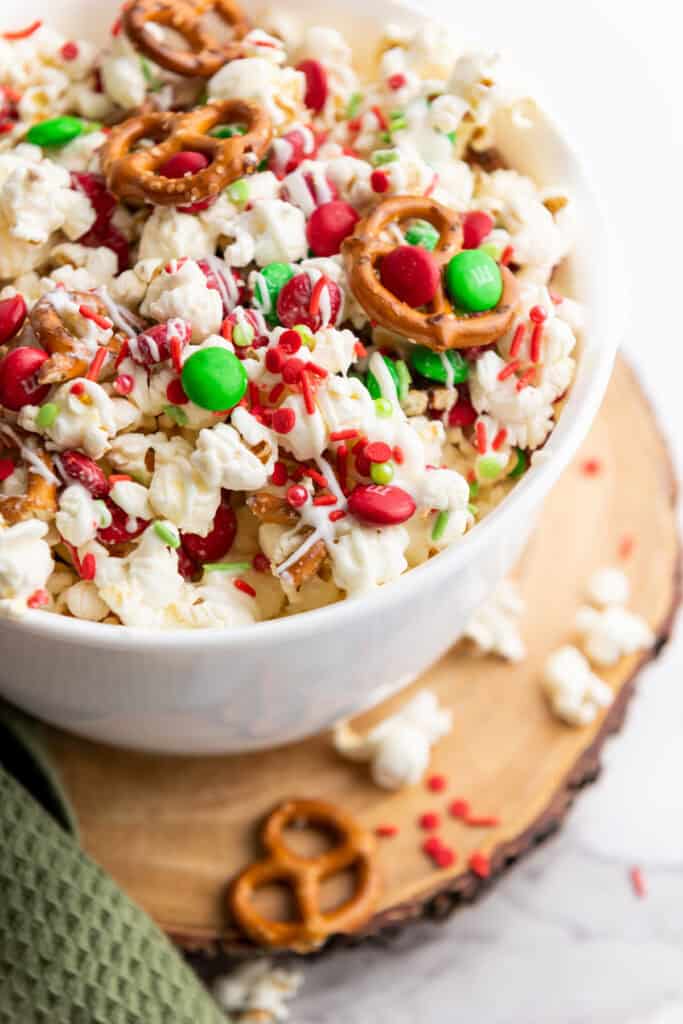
{"x": 69, "y": 356}
{"x": 133, "y": 175}
{"x": 304, "y": 876}
{"x": 439, "y": 327}
{"x": 205, "y": 54}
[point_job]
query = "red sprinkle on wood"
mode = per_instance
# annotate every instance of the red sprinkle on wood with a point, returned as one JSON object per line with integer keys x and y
{"x": 517, "y": 340}
{"x": 482, "y": 438}
{"x": 429, "y": 821}
{"x": 638, "y": 882}
{"x": 431, "y": 846}
{"x": 386, "y": 831}
{"x": 591, "y": 467}
{"x": 437, "y": 783}
{"x": 445, "y": 857}
{"x": 626, "y": 546}
{"x": 482, "y": 821}
{"x": 245, "y": 587}
{"x": 508, "y": 369}
{"x": 480, "y": 864}
{"x": 459, "y": 808}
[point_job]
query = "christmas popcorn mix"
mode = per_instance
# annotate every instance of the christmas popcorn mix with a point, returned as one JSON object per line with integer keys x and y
{"x": 271, "y": 333}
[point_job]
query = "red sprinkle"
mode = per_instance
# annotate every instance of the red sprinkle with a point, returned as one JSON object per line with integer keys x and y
{"x": 360, "y": 350}
{"x": 70, "y": 50}
{"x": 638, "y": 882}
{"x": 517, "y": 341}
{"x": 506, "y": 258}
{"x": 39, "y": 598}
{"x": 176, "y": 394}
{"x": 297, "y": 496}
{"x": 276, "y": 393}
{"x": 526, "y": 379}
{"x": 124, "y": 384}
{"x": 316, "y": 477}
{"x": 177, "y": 354}
{"x": 343, "y": 435}
{"x": 325, "y": 499}
{"x": 445, "y": 857}
{"x": 536, "y": 341}
{"x": 499, "y": 439}
{"x": 386, "y": 831}
{"x": 396, "y": 81}
{"x": 88, "y": 567}
{"x": 537, "y": 314}
{"x": 292, "y": 370}
{"x": 459, "y": 808}
{"x": 314, "y": 304}
{"x": 245, "y": 587}
{"x": 482, "y": 821}
{"x": 98, "y": 362}
{"x": 482, "y": 438}
{"x": 398, "y": 455}
{"x": 6, "y": 469}
{"x": 6, "y": 127}
{"x": 591, "y": 467}
{"x": 377, "y": 451}
{"x": 317, "y": 88}
{"x": 284, "y": 420}
{"x": 119, "y": 478}
{"x": 626, "y": 546}
{"x": 429, "y": 821}
{"x": 260, "y": 562}
{"x": 309, "y": 401}
{"x": 432, "y": 846}
{"x": 279, "y": 475}
{"x": 437, "y": 783}
{"x": 338, "y": 514}
{"x": 379, "y": 181}
{"x": 508, "y": 369}
{"x": 90, "y": 314}
{"x": 342, "y": 466}
{"x": 23, "y": 33}
{"x": 480, "y": 864}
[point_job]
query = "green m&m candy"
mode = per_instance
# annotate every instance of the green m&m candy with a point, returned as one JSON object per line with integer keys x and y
{"x": 474, "y": 281}
{"x": 276, "y": 276}
{"x": 422, "y": 233}
{"x": 520, "y": 466}
{"x": 431, "y": 365}
{"x": 214, "y": 379}
{"x": 228, "y": 131}
{"x": 372, "y": 384}
{"x": 56, "y": 132}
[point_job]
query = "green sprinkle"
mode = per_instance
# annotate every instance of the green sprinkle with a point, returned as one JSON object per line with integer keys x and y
{"x": 474, "y": 489}
{"x": 473, "y": 510}
{"x": 354, "y": 105}
{"x": 147, "y": 71}
{"x": 386, "y": 138}
{"x": 168, "y": 533}
{"x": 440, "y": 525}
{"x": 383, "y": 408}
{"x": 452, "y": 136}
{"x": 489, "y": 468}
{"x": 242, "y": 335}
{"x": 56, "y": 132}
{"x": 383, "y": 156}
{"x": 263, "y": 166}
{"x": 404, "y": 379}
{"x": 520, "y": 466}
{"x": 226, "y": 566}
{"x": 399, "y": 121}
{"x": 422, "y": 233}
{"x": 494, "y": 251}
{"x": 104, "y": 515}
{"x": 90, "y": 127}
{"x": 305, "y": 334}
{"x": 372, "y": 384}
{"x": 47, "y": 414}
{"x": 177, "y": 414}
{"x": 382, "y": 472}
{"x": 430, "y": 364}
{"x": 228, "y": 131}
{"x": 238, "y": 192}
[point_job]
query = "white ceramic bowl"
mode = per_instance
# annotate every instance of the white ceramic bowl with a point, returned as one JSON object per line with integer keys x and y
{"x": 275, "y": 682}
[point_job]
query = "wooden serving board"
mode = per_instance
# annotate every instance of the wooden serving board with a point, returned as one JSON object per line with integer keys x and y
{"x": 173, "y": 831}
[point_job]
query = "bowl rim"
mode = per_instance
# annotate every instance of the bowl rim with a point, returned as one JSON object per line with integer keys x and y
{"x": 569, "y": 432}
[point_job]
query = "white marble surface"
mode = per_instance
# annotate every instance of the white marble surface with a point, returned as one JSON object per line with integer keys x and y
{"x": 563, "y": 939}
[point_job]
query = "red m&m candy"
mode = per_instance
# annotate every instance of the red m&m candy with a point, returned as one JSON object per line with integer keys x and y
{"x": 476, "y": 226}
{"x": 383, "y": 505}
{"x": 316, "y": 84}
{"x": 18, "y": 384}
{"x": 411, "y": 274}
{"x": 329, "y": 225}
{"x": 185, "y": 162}
{"x": 294, "y": 303}
{"x": 217, "y": 542}
{"x": 12, "y": 316}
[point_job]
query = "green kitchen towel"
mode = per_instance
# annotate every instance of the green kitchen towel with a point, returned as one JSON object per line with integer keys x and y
{"x": 73, "y": 948}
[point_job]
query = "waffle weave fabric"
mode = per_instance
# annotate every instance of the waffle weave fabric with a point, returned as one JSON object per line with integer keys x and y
{"x": 73, "y": 948}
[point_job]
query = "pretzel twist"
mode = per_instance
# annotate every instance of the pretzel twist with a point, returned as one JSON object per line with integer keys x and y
{"x": 205, "y": 55}
{"x": 133, "y": 175}
{"x": 69, "y": 356}
{"x": 439, "y": 328}
{"x": 40, "y": 499}
{"x": 304, "y": 876}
